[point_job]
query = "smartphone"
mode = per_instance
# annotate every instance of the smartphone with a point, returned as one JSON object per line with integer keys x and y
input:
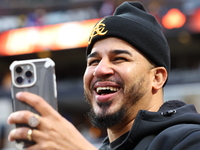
{"x": 36, "y": 76}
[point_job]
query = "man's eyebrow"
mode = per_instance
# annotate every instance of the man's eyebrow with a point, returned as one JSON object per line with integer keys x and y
{"x": 92, "y": 55}
{"x": 121, "y": 52}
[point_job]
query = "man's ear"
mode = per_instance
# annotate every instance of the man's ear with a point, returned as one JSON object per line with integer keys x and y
{"x": 160, "y": 77}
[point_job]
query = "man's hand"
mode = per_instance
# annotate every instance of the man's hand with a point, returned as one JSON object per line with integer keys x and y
{"x": 53, "y": 131}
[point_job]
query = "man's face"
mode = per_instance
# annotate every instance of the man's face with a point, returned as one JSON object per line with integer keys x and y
{"x": 116, "y": 78}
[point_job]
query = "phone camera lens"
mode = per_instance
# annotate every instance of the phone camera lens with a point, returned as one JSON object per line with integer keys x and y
{"x": 19, "y": 69}
{"x": 28, "y": 74}
{"x": 19, "y": 80}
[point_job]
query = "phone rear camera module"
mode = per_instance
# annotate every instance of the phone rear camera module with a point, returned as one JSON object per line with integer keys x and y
{"x": 19, "y": 80}
{"x": 28, "y": 74}
{"x": 19, "y": 69}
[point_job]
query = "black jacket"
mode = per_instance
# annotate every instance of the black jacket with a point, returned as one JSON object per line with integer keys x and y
{"x": 176, "y": 126}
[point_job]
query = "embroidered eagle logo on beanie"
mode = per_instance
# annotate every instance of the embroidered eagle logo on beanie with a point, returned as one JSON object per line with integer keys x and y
{"x": 99, "y": 29}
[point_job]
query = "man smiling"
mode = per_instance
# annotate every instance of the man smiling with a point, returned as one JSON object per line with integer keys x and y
{"x": 128, "y": 62}
{"x": 116, "y": 81}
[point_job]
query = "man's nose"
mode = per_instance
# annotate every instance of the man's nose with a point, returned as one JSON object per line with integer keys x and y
{"x": 103, "y": 69}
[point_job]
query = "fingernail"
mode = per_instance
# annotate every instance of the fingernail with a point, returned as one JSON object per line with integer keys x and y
{"x": 18, "y": 94}
{"x": 12, "y": 132}
{"x": 8, "y": 120}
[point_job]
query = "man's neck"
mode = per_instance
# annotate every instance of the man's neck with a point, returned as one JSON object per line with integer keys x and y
{"x": 117, "y": 131}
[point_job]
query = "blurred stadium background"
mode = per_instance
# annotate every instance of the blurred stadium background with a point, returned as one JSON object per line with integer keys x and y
{"x": 59, "y": 29}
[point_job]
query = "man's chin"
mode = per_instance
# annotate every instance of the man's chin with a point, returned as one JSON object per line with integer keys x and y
{"x": 104, "y": 118}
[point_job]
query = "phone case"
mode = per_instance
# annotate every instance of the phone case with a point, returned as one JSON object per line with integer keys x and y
{"x": 35, "y": 76}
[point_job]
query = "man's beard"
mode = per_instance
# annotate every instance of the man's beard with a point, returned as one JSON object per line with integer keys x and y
{"x": 104, "y": 120}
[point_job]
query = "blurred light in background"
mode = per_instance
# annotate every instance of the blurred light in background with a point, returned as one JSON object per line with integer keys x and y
{"x": 184, "y": 37}
{"x": 49, "y": 37}
{"x": 174, "y": 19}
{"x": 195, "y": 21}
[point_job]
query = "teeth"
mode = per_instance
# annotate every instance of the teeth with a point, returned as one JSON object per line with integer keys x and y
{"x": 107, "y": 88}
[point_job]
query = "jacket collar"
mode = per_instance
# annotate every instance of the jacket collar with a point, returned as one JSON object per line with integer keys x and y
{"x": 170, "y": 113}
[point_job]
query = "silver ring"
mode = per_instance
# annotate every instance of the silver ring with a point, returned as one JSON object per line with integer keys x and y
{"x": 29, "y": 134}
{"x": 33, "y": 121}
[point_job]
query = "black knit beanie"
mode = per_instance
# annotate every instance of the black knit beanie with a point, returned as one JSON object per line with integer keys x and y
{"x": 133, "y": 24}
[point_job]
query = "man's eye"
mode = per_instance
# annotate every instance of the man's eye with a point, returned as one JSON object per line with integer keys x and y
{"x": 120, "y": 59}
{"x": 93, "y": 62}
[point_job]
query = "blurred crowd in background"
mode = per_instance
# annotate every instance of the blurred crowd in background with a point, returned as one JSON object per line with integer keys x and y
{"x": 181, "y": 25}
